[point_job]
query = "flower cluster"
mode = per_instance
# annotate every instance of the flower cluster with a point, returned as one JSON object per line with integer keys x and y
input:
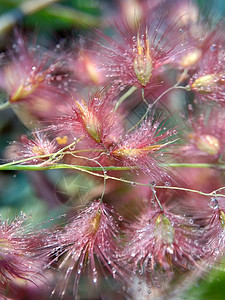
{"x": 92, "y": 109}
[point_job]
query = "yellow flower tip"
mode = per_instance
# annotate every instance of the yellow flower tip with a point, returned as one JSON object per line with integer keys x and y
{"x": 208, "y": 144}
{"x": 92, "y": 71}
{"x": 164, "y": 229}
{"x": 39, "y": 151}
{"x": 135, "y": 152}
{"x": 62, "y": 140}
{"x": 90, "y": 121}
{"x": 142, "y": 64}
{"x": 208, "y": 82}
{"x": 95, "y": 222}
{"x": 222, "y": 218}
{"x": 191, "y": 58}
{"x": 27, "y": 88}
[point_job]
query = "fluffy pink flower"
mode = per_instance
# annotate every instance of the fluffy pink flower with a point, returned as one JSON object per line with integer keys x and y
{"x": 215, "y": 230}
{"x": 26, "y": 148}
{"x": 86, "y": 68}
{"x": 35, "y": 81}
{"x": 204, "y": 138}
{"x": 19, "y": 264}
{"x": 87, "y": 119}
{"x": 91, "y": 235}
{"x": 137, "y": 59}
{"x": 161, "y": 242}
{"x": 209, "y": 81}
{"x": 144, "y": 147}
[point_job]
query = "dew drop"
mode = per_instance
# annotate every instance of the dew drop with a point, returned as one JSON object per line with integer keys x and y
{"x": 94, "y": 279}
{"x": 120, "y": 218}
{"x": 213, "y": 203}
{"x": 213, "y": 47}
{"x": 190, "y": 107}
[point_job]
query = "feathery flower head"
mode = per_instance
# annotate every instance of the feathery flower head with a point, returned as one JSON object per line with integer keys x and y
{"x": 29, "y": 71}
{"x": 137, "y": 58}
{"x": 215, "y": 230}
{"x": 88, "y": 119}
{"x": 92, "y": 234}
{"x": 209, "y": 81}
{"x": 86, "y": 68}
{"x": 18, "y": 263}
{"x": 40, "y": 145}
{"x": 161, "y": 243}
{"x": 205, "y": 137}
{"x": 144, "y": 146}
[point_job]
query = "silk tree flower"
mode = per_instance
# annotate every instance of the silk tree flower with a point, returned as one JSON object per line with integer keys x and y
{"x": 204, "y": 137}
{"x": 19, "y": 262}
{"x": 145, "y": 147}
{"x": 137, "y": 59}
{"x": 208, "y": 83}
{"x": 162, "y": 243}
{"x": 27, "y": 148}
{"x": 88, "y": 241}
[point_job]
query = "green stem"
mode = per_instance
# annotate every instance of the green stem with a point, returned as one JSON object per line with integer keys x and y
{"x": 195, "y": 165}
{"x": 8, "y": 167}
{"x": 90, "y": 170}
{"x": 15, "y": 167}
{"x": 125, "y": 96}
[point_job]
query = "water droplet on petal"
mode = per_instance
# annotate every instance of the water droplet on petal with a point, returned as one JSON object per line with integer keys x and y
{"x": 213, "y": 203}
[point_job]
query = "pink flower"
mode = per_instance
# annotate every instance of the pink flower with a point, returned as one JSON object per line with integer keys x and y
{"x": 86, "y": 68}
{"x": 95, "y": 121}
{"x": 204, "y": 138}
{"x": 19, "y": 263}
{"x": 208, "y": 83}
{"x": 215, "y": 230}
{"x": 144, "y": 147}
{"x": 91, "y": 235}
{"x": 27, "y": 148}
{"x": 137, "y": 59}
{"x": 35, "y": 81}
{"x": 161, "y": 241}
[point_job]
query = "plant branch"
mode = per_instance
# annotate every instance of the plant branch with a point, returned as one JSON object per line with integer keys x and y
{"x": 124, "y": 97}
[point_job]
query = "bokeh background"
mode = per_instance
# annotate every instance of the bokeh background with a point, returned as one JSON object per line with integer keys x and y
{"x": 46, "y": 195}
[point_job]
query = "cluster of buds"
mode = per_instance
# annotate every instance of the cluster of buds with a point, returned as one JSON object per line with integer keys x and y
{"x": 94, "y": 111}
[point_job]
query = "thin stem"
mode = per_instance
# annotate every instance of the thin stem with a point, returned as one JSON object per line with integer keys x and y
{"x": 155, "y": 196}
{"x": 195, "y": 165}
{"x": 41, "y": 167}
{"x": 15, "y": 165}
{"x": 89, "y": 170}
{"x": 125, "y": 96}
{"x": 151, "y": 105}
{"x": 101, "y": 167}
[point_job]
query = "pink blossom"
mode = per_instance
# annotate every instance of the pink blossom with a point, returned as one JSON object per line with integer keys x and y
{"x": 27, "y": 148}
{"x": 144, "y": 147}
{"x": 92, "y": 234}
